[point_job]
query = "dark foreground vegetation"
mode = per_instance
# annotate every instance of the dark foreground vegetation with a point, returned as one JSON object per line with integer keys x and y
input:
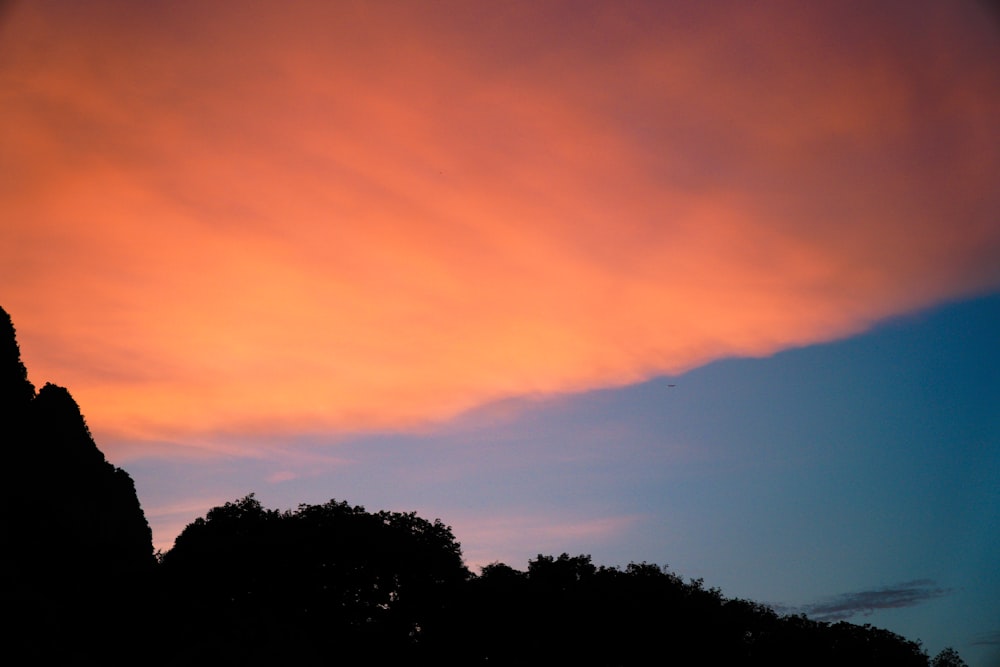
{"x": 334, "y": 584}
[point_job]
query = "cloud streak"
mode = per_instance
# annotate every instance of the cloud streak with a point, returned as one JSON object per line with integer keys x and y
{"x": 987, "y": 639}
{"x": 269, "y": 219}
{"x": 906, "y": 594}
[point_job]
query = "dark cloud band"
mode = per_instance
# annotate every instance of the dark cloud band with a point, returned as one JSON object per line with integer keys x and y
{"x": 906, "y": 594}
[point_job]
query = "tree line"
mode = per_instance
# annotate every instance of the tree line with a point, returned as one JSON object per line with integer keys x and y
{"x": 334, "y": 584}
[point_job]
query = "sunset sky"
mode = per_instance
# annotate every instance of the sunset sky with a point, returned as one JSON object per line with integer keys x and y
{"x": 453, "y": 257}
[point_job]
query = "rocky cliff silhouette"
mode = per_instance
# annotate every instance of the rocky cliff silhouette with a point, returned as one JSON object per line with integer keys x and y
{"x": 76, "y": 551}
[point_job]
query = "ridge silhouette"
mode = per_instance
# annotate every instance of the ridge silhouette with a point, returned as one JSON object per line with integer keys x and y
{"x": 333, "y": 583}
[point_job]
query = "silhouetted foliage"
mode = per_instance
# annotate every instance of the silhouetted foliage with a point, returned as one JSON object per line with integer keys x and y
{"x": 15, "y": 390}
{"x": 333, "y": 583}
{"x": 333, "y": 576}
{"x": 74, "y": 538}
{"x": 566, "y": 610}
{"x": 948, "y": 657}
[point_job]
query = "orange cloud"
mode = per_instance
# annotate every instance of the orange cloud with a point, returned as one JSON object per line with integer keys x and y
{"x": 262, "y": 218}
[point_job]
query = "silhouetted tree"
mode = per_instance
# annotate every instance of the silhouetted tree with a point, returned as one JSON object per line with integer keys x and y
{"x": 318, "y": 581}
{"x": 333, "y": 583}
{"x": 565, "y": 610}
{"x": 948, "y": 657}
{"x": 15, "y": 390}
{"x": 73, "y": 538}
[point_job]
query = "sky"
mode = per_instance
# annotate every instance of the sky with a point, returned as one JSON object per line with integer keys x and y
{"x": 713, "y": 285}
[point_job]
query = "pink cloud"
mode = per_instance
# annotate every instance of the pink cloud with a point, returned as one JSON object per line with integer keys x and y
{"x": 267, "y": 220}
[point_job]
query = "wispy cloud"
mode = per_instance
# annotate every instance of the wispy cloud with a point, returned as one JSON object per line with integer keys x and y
{"x": 905, "y": 594}
{"x": 987, "y": 639}
{"x": 217, "y": 219}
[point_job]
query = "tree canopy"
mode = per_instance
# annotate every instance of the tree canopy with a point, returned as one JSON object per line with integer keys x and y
{"x": 336, "y": 584}
{"x": 334, "y": 577}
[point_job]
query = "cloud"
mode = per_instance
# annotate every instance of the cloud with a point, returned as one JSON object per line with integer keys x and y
{"x": 987, "y": 639}
{"x": 330, "y": 217}
{"x": 282, "y": 476}
{"x": 906, "y": 594}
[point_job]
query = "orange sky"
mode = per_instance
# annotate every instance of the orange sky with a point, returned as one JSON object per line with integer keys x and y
{"x": 227, "y": 217}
